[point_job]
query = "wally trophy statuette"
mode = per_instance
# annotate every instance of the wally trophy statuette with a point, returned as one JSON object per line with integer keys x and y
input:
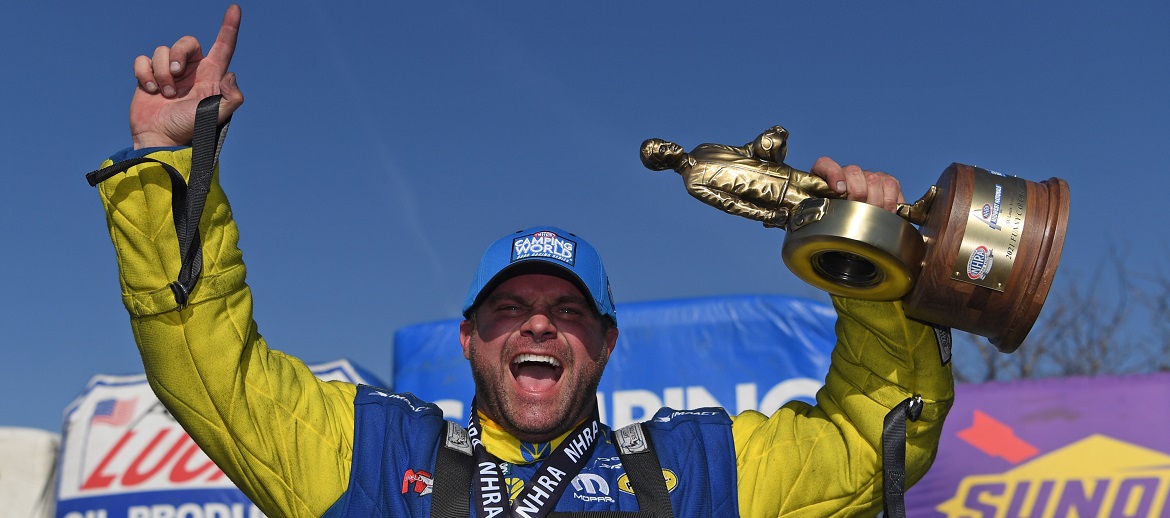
{"x": 981, "y": 259}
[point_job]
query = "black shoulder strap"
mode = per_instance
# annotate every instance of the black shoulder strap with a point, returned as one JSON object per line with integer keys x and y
{"x": 644, "y": 469}
{"x": 187, "y": 197}
{"x": 452, "y": 483}
{"x": 894, "y": 455}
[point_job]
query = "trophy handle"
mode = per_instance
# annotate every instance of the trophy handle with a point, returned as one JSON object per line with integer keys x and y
{"x": 853, "y": 249}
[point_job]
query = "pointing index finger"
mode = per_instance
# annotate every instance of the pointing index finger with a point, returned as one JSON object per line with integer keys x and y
{"x": 225, "y": 42}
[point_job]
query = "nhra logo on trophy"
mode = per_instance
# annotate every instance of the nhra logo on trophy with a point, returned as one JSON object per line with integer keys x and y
{"x": 980, "y": 263}
{"x": 981, "y": 260}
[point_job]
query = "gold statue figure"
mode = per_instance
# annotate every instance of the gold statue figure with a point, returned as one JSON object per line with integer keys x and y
{"x": 844, "y": 247}
{"x": 752, "y": 180}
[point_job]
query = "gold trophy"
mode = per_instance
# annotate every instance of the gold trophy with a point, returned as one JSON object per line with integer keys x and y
{"x": 982, "y": 259}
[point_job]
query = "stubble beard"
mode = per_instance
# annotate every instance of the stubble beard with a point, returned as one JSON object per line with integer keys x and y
{"x": 529, "y": 423}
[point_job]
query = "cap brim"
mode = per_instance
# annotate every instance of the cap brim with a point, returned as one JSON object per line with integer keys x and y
{"x": 533, "y": 266}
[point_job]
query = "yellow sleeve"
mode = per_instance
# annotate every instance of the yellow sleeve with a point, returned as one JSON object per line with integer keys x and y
{"x": 283, "y": 436}
{"x": 825, "y": 460}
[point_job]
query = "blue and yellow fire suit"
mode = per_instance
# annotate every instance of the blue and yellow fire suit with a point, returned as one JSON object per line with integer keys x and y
{"x": 286, "y": 439}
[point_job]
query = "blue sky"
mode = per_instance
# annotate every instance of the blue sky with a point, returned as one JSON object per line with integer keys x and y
{"x": 383, "y": 145}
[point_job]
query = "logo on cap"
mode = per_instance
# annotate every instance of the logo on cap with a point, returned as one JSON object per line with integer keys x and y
{"x": 544, "y": 244}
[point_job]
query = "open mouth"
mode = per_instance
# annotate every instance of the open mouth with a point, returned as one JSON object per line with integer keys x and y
{"x": 535, "y": 372}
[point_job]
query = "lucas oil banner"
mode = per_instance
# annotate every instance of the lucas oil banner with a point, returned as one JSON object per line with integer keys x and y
{"x": 1083, "y": 447}
{"x": 123, "y": 455}
{"x": 737, "y": 352}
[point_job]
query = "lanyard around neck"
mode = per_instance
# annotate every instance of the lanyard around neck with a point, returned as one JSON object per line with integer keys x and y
{"x": 543, "y": 490}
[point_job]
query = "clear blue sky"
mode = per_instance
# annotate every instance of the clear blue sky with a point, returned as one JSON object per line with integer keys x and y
{"x": 383, "y": 145}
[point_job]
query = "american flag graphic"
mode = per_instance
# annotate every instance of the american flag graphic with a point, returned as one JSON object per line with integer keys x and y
{"x": 113, "y": 412}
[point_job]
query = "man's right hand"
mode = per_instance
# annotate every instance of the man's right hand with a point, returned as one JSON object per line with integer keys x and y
{"x": 175, "y": 79}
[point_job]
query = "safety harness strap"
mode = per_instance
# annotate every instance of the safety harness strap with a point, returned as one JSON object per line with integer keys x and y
{"x": 645, "y": 470}
{"x": 894, "y": 455}
{"x": 453, "y": 467}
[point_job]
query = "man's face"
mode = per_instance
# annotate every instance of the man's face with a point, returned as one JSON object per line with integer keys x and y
{"x": 537, "y": 350}
{"x": 658, "y": 154}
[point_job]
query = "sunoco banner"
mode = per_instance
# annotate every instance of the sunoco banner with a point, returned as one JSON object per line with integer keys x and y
{"x": 1075, "y": 447}
{"x": 123, "y": 455}
{"x": 740, "y": 353}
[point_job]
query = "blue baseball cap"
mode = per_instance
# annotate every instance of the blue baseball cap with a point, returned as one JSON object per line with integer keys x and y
{"x": 547, "y": 250}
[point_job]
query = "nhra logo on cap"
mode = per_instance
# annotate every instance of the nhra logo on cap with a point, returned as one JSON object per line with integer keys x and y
{"x": 544, "y": 244}
{"x": 980, "y": 263}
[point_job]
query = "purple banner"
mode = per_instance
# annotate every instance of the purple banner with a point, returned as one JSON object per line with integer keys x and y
{"x": 1084, "y": 447}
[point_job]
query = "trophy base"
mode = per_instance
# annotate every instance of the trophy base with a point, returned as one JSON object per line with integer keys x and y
{"x": 993, "y": 245}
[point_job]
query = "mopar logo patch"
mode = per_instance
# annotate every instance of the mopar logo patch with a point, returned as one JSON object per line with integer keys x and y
{"x": 544, "y": 244}
{"x": 979, "y": 264}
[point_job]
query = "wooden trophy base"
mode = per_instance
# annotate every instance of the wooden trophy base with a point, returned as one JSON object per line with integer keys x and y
{"x": 992, "y": 247}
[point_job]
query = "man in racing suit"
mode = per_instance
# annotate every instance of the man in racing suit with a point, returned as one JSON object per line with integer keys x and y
{"x": 537, "y": 334}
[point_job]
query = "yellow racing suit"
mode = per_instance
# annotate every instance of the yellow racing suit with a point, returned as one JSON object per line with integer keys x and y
{"x": 286, "y": 439}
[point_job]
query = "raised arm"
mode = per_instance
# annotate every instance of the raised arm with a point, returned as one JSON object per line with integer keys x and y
{"x": 281, "y": 435}
{"x": 825, "y": 460}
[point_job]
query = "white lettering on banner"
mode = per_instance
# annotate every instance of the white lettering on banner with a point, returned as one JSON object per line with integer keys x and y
{"x": 193, "y": 510}
{"x": 95, "y": 513}
{"x": 672, "y": 397}
{"x": 452, "y": 408}
{"x": 783, "y": 392}
{"x": 632, "y": 406}
{"x": 624, "y": 403}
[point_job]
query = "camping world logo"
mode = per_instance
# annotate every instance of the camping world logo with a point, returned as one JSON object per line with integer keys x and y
{"x": 544, "y": 244}
{"x": 1097, "y": 476}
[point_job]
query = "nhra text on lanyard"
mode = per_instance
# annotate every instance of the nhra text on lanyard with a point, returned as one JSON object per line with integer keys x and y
{"x": 541, "y": 493}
